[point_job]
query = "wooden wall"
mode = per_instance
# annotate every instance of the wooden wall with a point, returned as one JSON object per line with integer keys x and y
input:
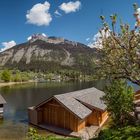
{"x": 96, "y": 118}
{"x": 93, "y": 118}
{"x": 103, "y": 118}
{"x": 56, "y": 114}
{"x": 104, "y": 115}
{"x": 81, "y": 124}
{"x": 40, "y": 115}
{"x": 33, "y": 118}
{"x": 137, "y": 97}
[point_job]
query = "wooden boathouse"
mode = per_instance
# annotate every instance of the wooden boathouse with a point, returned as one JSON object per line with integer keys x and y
{"x": 137, "y": 104}
{"x": 2, "y": 102}
{"x": 73, "y": 111}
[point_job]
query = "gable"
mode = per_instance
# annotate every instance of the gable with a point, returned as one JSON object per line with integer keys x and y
{"x": 76, "y": 107}
{"x": 54, "y": 102}
{"x": 78, "y": 102}
{"x": 51, "y": 102}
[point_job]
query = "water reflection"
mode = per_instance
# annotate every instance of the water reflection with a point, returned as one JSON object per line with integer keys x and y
{"x": 20, "y": 97}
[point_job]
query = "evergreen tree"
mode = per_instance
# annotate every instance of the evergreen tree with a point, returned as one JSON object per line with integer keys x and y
{"x": 119, "y": 100}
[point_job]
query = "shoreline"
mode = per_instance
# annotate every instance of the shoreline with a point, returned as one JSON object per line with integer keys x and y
{"x": 15, "y": 83}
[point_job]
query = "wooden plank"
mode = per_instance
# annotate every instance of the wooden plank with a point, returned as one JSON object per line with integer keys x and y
{"x": 57, "y": 115}
{"x": 81, "y": 125}
{"x": 93, "y": 119}
{"x": 55, "y": 105}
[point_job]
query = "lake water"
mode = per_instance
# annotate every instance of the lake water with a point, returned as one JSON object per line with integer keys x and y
{"x": 14, "y": 126}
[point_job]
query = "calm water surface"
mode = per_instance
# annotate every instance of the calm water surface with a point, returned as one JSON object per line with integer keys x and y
{"x": 14, "y": 126}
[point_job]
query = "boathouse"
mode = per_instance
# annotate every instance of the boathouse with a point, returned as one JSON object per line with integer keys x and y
{"x": 73, "y": 111}
{"x": 2, "y": 102}
{"x": 137, "y": 104}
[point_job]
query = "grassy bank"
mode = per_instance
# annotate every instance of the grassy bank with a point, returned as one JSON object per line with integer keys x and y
{"x": 14, "y": 83}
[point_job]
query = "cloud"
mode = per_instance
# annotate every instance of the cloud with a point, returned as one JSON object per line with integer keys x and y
{"x": 138, "y": 11}
{"x": 97, "y": 39}
{"x": 29, "y": 38}
{"x": 87, "y": 39}
{"x": 57, "y": 13}
{"x": 39, "y": 14}
{"x": 7, "y": 45}
{"x": 70, "y": 6}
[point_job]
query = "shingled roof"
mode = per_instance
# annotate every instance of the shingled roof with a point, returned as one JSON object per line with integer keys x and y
{"x": 2, "y": 100}
{"x": 90, "y": 96}
{"x": 74, "y": 106}
{"x": 75, "y": 101}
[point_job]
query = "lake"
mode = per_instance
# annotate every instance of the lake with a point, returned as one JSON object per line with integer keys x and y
{"x": 19, "y": 97}
{"x": 14, "y": 125}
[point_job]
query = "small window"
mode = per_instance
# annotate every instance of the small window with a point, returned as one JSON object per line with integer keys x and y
{"x": 1, "y": 105}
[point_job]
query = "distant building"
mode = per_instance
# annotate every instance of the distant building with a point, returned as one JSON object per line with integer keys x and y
{"x": 2, "y": 102}
{"x": 137, "y": 104}
{"x": 72, "y": 111}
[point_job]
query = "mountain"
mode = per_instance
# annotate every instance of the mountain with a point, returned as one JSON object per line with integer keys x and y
{"x": 43, "y": 53}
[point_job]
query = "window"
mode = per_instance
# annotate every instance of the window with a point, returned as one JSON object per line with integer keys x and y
{"x": 1, "y": 105}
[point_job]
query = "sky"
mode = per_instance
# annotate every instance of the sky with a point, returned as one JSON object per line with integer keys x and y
{"x": 76, "y": 20}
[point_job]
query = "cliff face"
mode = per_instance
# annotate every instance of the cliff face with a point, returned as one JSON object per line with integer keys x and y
{"x": 49, "y": 53}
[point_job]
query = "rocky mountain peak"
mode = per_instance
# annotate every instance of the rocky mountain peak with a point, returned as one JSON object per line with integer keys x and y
{"x": 49, "y": 54}
{"x": 37, "y": 36}
{"x": 43, "y": 37}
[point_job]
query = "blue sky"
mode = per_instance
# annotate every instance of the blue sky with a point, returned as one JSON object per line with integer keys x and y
{"x": 75, "y": 23}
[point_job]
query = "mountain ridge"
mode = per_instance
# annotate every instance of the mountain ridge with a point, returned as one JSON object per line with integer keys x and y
{"x": 49, "y": 53}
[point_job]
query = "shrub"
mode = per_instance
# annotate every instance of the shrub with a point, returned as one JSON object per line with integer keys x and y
{"x": 125, "y": 133}
{"x": 33, "y": 135}
{"x": 6, "y": 76}
{"x": 17, "y": 77}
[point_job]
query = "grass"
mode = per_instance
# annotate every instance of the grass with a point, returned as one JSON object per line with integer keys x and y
{"x": 60, "y": 138}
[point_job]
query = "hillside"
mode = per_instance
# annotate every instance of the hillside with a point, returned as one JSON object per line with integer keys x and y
{"x": 49, "y": 54}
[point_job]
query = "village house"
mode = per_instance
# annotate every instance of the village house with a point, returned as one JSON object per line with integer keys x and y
{"x": 73, "y": 111}
{"x": 2, "y": 102}
{"x": 137, "y": 104}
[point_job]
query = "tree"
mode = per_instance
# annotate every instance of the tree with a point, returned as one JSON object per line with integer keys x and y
{"x": 125, "y": 133}
{"x": 25, "y": 76}
{"x": 119, "y": 100}
{"x": 17, "y": 77}
{"x": 6, "y": 76}
{"x": 120, "y": 50}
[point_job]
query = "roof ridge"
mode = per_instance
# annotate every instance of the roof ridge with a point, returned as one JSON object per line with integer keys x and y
{"x": 76, "y": 109}
{"x": 74, "y": 101}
